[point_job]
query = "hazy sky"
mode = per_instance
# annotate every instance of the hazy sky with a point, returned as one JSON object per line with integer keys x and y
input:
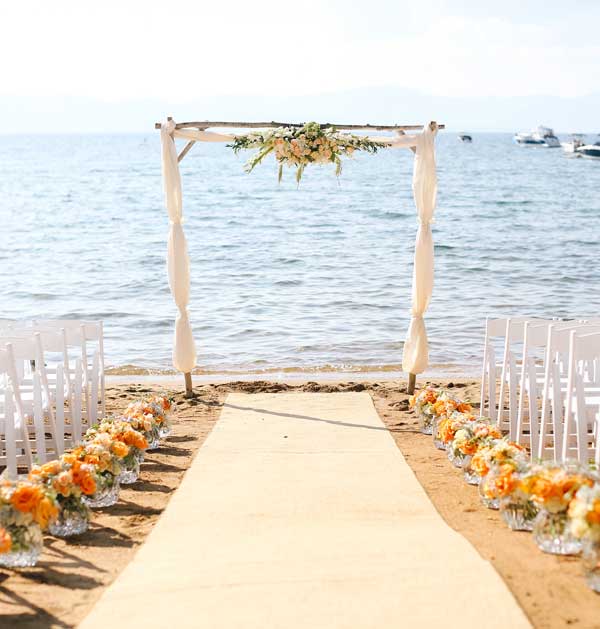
{"x": 125, "y": 51}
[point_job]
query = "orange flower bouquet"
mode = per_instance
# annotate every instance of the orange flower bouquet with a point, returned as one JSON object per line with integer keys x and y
{"x": 70, "y": 480}
{"x": 446, "y": 427}
{"x": 422, "y": 403}
{"x": 496, "y": 452}
{"x": 468, "y": 439}
{"x": 584, "y": 523}
{"x": 26, "y": 509}
{"x": 147, "y": 419}
{"x": 127, "y": 444}
{"x": 552, "y": 488}
{"x": 162, "y": 408}
{"x": 498, "y": 483}
{"x": 105, "y": 456}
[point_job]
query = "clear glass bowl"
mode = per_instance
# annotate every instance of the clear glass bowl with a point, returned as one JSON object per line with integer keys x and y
{"x": 131, "y": 471}
{"x": 552, "y": 534}
{"x": 437, "y": 442}
{"x": 591, "y": 563}
{"x": 27, "y": 545}
{"x": 70, "y": 521}
{"x": 105, "y": 496}
{"x": 518, "y": 515}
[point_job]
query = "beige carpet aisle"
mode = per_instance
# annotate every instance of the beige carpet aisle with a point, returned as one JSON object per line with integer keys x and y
{"x": 300, "y": 512}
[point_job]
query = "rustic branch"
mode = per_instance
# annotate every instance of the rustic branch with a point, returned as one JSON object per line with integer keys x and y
{"x": 185, "y": 150}
{"x": 206, "y": 124}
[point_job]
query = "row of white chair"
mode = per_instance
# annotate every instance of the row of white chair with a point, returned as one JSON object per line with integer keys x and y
{"x": 52, "y": 387}
{"x": 545, "y": 390}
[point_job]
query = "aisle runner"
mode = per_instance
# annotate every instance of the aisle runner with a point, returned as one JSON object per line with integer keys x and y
{"x": 300, "y": 512}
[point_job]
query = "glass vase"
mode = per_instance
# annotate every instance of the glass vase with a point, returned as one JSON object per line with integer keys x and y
{"x": 26, "y": 548}
{"x": 591, "y": 563}
{"x": 552, "y": 534}
{"x": 107, "y": 492}
{"x": 455, "y": 456}
{"x": 131, "y": 469}
{"x": 73, "y": 519}
{"x": 153, "y": 438}
{"x": 425, "y": 422}
{"x": 518, "y": 514}
{"x": 165, "y": 429}
{"x": 437, "y": 441}
{"x": 487, "y": 492}
{"x": 471, "y": 476}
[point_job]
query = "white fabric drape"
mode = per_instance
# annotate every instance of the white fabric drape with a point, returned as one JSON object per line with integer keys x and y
{"x": 416, "y": 351}
{"x": 178, "y": 263}
{"x": 202, "y": 136}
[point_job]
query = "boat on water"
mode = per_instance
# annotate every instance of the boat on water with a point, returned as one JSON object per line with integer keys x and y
{"x": 589, "y": 150}
{"x": 542, "y": 136}
{"x": 577, "y": 141}
{"x": 465, "y": 137}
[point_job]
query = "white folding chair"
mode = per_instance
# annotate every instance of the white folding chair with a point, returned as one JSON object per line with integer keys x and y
{"x": 88, "y": 338}
{"x": 510, "y": 371}
{"x": 582, "y": 413}
{"x": 22, "y": 443}
{"x": 32, "y": 394}
{"x": 556, "y": 362}
{"x": 15, "y": 449}
{"x": 534, "y": 364}
{"x": 495, "y": 330}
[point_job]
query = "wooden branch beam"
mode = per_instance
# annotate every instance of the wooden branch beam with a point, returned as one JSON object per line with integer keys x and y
{"x": 206, "y": 124}
{"x": 186, "y": 149}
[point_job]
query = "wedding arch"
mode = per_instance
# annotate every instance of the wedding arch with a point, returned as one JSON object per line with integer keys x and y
{"x": 415, "y": 356}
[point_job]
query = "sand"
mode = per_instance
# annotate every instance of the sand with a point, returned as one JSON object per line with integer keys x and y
{"x": 72, "y": 574}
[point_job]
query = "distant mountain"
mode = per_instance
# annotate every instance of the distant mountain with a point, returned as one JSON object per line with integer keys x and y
{"x": 381, "y": 105}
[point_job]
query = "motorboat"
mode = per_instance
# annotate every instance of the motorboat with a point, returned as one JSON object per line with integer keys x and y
{"x": 465, "y": 137}
{"x": 542, "y": 136}
{"x": 577, "y": 141}
{"x": 589, "y": 150}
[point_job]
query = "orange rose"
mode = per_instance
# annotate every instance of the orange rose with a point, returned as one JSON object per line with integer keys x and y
{"x": 62, "y": 483}
{"x": 87, "y": 483}
{"x": 468, "y": 448}
{"x": 92, "y": 459}
{"x": 51, "y": 468}
{"x": 120, "y": 449}
{"x": 45, "y": 511}
{"x": 141, "y": 443}
{"x": 463, "y": 407}
{"x": 26, "y": 497}
{"x": 478, "y": 464}
{"x": 506, "y": 482}
{"x": 5, "y": 541}
{"x": 68, "y": 458}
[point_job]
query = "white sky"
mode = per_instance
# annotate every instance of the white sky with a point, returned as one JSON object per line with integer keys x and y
{"x": 117, "y": 51}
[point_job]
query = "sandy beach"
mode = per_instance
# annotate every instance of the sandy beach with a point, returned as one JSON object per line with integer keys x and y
{"x": 72, "y": 575}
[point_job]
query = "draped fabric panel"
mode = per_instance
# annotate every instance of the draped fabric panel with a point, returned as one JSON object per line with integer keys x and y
{"x": 178, "y": 263}
{"x": 416, "y": 350}
{"x": 202, "y": 136}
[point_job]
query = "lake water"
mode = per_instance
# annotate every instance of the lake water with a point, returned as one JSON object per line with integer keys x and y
{"x": 287, "y": 279}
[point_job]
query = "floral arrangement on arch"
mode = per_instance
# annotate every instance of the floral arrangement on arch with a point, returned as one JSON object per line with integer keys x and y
{"x": 297, "y": 147}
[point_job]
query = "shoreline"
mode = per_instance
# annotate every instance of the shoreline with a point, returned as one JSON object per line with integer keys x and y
{"x": 288, "y": 376}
